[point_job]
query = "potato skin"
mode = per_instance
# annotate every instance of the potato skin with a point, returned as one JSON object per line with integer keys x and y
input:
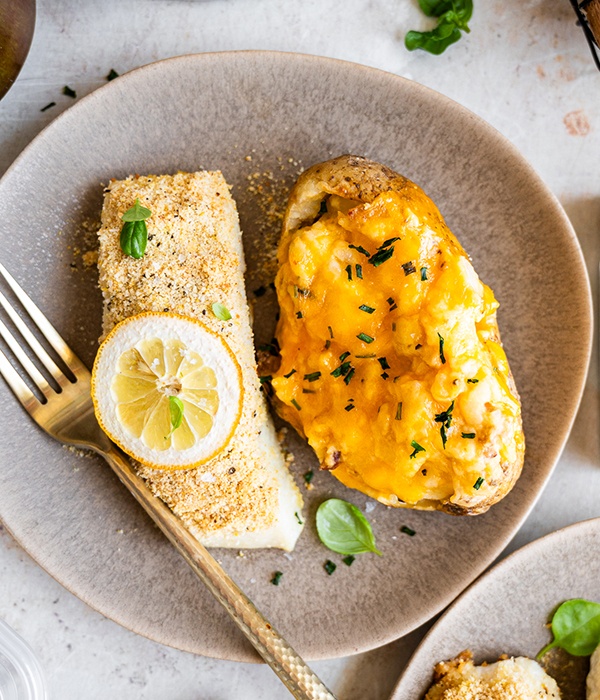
{"x": 361, "y": 180}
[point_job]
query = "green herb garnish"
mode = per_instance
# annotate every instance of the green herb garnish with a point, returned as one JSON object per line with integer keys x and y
{"x": 416, "y": 449}
{"x": 472, "y": 381}
{"x": 388, "y": 242}
{"x": 48, "y": 106}
{"x": 308, "y": 476}
{"x": 69, "y": 92}
{"x": 349, "y": 407}
{"x": 399, "y": 412}
{"x": 576, "y": 628}
{"x": 330, "y": 331}
{"x": 381, "y": 256}
{"x": 366, "y": 309}
{"x": 359, "y": 271}
{"x": 349, "y": 271}
{"x": 370, "y": 356}
{"x": 342, "y": 370}
{"x": 442, "y": 357}
{"x": 423, "y": 274}
{"x": 276, "y": 578}
{"x": 221, "y": 311}
{"x": 383, "y": 362}
{"x": 409, "y": 268}
{"x": 453, "y": 17}
{"x": 329, "y": 567}
{"x": 112, "y": 75}
{"x": 360, "y": 249}
{"x": 445, "y": 418}
{"x": 478, "y": 483}
{"x": 289, "y": 374}
{"x": 175, "y": 412}
{"x": 344, "y": 355}
{"x": 384, "y": 375}
{"x": 468, "y": 436}
{"x": 408, "y": 531}
{"x": 344, "y": 529}
{"x": 348, "y": 377}
{"x": 134, "y": 234}
{"x": 365, "y": 338}
{"x": 349, "y": 560}
{"x": 312, "y": 376}
{"x": 260, "y": 291}
{"x": 296, "y": 405}
{"x": 299, "y": 519}
{"x": 265, "y": 378}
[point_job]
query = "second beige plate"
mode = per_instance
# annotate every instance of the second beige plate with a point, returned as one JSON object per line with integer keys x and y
{"x": 260, "y": 118}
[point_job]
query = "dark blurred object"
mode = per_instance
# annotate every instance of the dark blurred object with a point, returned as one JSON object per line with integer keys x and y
{"x": 588, "y": 14}
{"x": 17, "y": 21}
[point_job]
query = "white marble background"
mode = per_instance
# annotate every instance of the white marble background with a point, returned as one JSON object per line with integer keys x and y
{"x": 525, "y": 68}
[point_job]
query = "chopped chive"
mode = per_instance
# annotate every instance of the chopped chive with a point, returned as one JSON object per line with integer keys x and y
{"x": 383, "y": 362}
{"x": 329, "y": 567}
{"x": 343, "y": 369}
{"x": 409, "y": 268}
{"x": 312, "y": 376}
{"x": 112, "y": 75}
{"x": 289, "y": 374}
{"x": 298, "y": 314}
{"x": 416, "y": 448}
{"x": 349, "y": 407}
{"x": 308, "y": 391}
{"x": 477, "y": 484}
{"x": 423, "y": 274}
{"x": 299, "y": 292}
{"x": 323, "y": 207}
{"x": 344, "y": 355}
{"x": 472, "y": 381}
{"x": 399, "y": 411}
{"x": 384, "y": 375}
{"x": 442, "y": 357}
{"x": 348, "y": 377}
{"x": 296, "y": 405}
{"x": 260, "y": 291}
{"x": 393, "y": 327}
{"x": 298, "y": 519}
{"x": 308, "y": 476}
{"x": 370, "y": 356}
{"x": 408, "y": 531}
{"x": 359, "y": 271}
{"x": 266, "y": 378}
{"x": 349, "y": 559}
{"x": 48, "y": 106}
{"x": 349, "y": 271}
{"x": 418, "y": 346}
{"x": 330, "y": 331}
{"x": 468, "y": 436}
{"x": 365, "y": 338}
{"x": 327, "y": 344}
{"x": 366, "y": 309}
{"x": 445, "y": 418}
{"x": 360, "y": 249}
{"x": 390, "y": 301}
{"x": 381, "y": 256}
{"x": 277, "y": 575}
{"x": 396, "y": 379}
{"x": 388, "y": 242}
{"x": 69, "y": 92}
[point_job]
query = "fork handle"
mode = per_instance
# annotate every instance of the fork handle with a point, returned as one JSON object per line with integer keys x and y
{"x": 299, "y": 679}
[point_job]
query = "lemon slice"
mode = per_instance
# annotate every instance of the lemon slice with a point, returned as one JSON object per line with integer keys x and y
{"x": 167, "y": 390}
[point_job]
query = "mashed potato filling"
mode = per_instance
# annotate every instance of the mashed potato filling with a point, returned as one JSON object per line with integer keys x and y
{"x": 391, "y": 362}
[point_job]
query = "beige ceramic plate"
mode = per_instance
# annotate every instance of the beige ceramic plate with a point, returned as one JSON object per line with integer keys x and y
{"x": 260, "y": 117}
{"x": 506, "y": 611}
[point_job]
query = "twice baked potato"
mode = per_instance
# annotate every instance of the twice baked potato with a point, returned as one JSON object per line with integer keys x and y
{"x": 391, "y": 361}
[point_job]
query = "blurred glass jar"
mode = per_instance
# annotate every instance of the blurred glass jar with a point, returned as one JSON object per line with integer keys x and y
{"x": 21, "y": 676}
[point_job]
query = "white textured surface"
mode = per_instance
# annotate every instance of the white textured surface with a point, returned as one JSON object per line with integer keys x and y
{"x": 525, "y": 68}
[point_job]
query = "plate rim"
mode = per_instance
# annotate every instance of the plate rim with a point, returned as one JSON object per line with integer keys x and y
{"x": 533, "y": 177}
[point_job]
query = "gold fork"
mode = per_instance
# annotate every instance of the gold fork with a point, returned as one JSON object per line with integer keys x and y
{"x": 67, "y": 414}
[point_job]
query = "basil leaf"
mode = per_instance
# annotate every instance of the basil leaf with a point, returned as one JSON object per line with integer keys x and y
{"x": 221, "y": 312}
{"x": 344, "y": 529}
{"x": 136, "y": 213}
{"x": 436, "y": 41}
{"x": 453, "y": 15}
{"x": 134, "y": 238}
{"x": 576, "y": 628}
{"x": 435, "y": 8}
{"x": 176, "y": 410}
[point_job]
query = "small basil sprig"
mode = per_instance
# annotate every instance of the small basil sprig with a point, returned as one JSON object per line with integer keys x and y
{"x": 176, "y": 412}
{"x": 221, "y": 311}
{"x": 134, "y": 234}
{"x": 453, "y": 17}
{"x": 344, "y": 529}
{"x": 576, "y": 628}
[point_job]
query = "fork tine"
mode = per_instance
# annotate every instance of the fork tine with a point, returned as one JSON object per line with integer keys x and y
{"x": 14, "y": 381}
{"x": 36, "y": 376}
{"x": 47, "y": 329}
{"x": 33, "y": 342}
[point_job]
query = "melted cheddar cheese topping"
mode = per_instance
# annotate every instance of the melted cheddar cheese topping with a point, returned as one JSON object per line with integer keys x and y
{"x": 391, "y": 362}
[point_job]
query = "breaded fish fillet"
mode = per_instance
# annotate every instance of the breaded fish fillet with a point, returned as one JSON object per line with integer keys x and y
{"x": 244, "y": 497}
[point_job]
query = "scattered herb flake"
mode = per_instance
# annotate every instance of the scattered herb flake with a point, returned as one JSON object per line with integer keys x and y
{"x": 423, "y": 274}
{"x": 277, "y": 576}
{"x": 342, "y": 370}
{"x": 344, "y": 355}
{"x": 370, "y": 356}
{"x": 478, "y": 483}
{"x": 408, "y": 531}
{"x": 312, "y": 376}
{"x": 327, "y": 344}
{"x": 442, "y": 357}
{"x": 408, "y": 268}
{"x": 308, "y": 391}
{"x": 393, "y": 327}
{"x": 384, "y": 375}
{"x": 360, "y": 249}
{"x": 399, "y": 413}
{"x": 48, "y": 106}
{"x": 329, "y": 567}
{"x": 381, "y": 256}
{"x": 472, "y": 381}
{"x": 383, "y": 362}
{"x": 299, "y": 519}
{"x": 266, "y": 378}
{"x": 299, "y": 314}
{"x": 416, "y": 449}
{"x": 359, "y": 271}
{"x": 349, "y": 560}
{"x": 366, "y": 309}
{"x": 221, "y": 311}
{"x": 468, "y": 436}
{"x": 330, "y": 331}
{"x": 308, "y": 476}
{"x": 348, "y": 377}
{"x": 445, "y": 418}
{"x": 260, "y": 291}
{"x": 296, "y": 405}
{"x": 349, "y": 407}
{"x": 289, "y": 374}
{"x": 112, "y": 74}
{"x": 365, "y": 338}
{"x": 349, "y": 271}
{"x": 388, "y": 242}
{"x": 69, "y": 92}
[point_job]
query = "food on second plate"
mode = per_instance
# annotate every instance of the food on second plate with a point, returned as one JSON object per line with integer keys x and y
{"x": 189, "y": 262}
{"x": 509, "y": 679}
{"x": 391, "y": 360}
{"x": 593, "y": 678}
